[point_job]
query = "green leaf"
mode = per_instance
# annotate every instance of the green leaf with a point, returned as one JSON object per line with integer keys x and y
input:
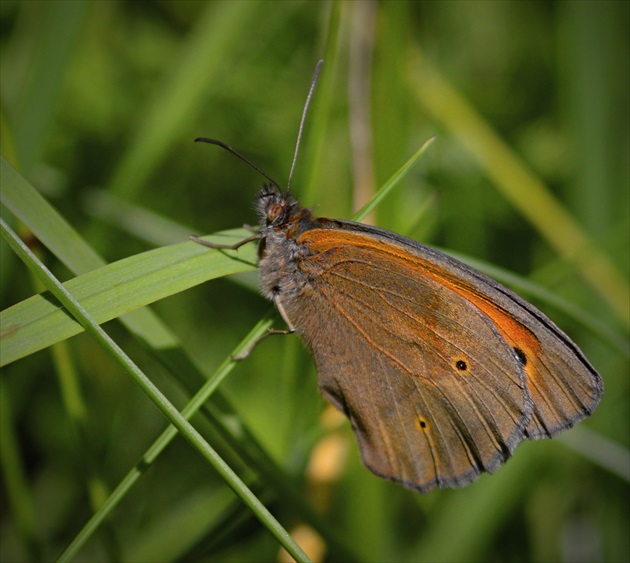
{"x": 117, "y": 289}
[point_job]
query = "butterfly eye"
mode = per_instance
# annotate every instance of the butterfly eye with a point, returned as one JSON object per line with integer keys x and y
{"x": 273, "y": 212}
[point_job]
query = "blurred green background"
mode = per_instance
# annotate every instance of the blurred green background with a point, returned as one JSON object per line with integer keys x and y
{"x": 100, "y": 104}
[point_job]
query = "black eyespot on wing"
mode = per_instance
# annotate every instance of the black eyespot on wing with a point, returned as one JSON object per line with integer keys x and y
{"x": 461, "y": 365}
{"x": 521, "y": 356}
{"x": 421, "y": 423}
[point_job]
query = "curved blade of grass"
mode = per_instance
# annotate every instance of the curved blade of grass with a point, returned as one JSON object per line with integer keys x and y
{"x": 116, "y": 289}
{"x": 520, "y": 186}
{"x": 156, "y": 396}
{"x": 391, "y": 183}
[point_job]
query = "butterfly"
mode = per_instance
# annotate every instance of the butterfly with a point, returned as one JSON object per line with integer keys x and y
{"x": 441, "y": 370}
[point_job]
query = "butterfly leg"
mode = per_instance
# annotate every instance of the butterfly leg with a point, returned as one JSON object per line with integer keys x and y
{"x": 270, "y": 332}
{"x": 234, "y": 246}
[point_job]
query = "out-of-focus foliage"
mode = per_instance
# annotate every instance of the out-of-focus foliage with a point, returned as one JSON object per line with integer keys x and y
{"x": 100, "y": 104}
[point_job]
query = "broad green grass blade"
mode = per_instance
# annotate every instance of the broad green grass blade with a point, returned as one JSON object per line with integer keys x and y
{"x": 117, "y": 289}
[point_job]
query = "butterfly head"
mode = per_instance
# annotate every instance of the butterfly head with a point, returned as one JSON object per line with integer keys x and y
{"x": 277, "y": 209}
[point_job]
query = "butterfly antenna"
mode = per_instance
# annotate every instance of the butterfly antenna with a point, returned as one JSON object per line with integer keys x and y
{"x": 239, "y": 155}
{"x": 304, "y": 111}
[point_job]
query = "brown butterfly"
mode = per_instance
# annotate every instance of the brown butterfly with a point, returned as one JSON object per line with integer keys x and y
{"x": 441, "y": 370}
